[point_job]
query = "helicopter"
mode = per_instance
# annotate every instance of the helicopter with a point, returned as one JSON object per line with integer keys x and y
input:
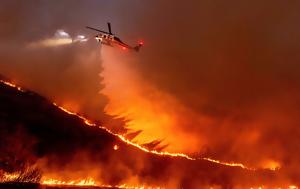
{"x": 108, "y": 38}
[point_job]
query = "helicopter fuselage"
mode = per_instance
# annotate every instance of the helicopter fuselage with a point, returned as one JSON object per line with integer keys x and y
{"x": 108, "y": 38}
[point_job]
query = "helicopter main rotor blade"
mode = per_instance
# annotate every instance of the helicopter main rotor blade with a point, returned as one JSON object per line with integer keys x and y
{"x": 97, "y": 30}
{"x": 109, "y": 27}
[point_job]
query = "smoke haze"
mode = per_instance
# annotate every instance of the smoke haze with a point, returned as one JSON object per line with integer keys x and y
{"x": 216, "y": 78}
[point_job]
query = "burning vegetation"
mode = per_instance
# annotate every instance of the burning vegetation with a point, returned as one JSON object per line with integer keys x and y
{"x": 212, "y": 101}
{"x": 60, "y": 154}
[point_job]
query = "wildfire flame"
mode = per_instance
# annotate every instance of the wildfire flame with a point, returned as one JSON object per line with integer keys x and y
{"x": 116, "y": 147}
{"x": 12, "y": 85}
{"x": 90, "y": 123}
{"x": 122, "y": 137}
{"x": 229, "y": 164}
{"x": 82, "y": 182}
{"x": 7, "y": 177}
{"x": 92, "y": 182}
{"x": 288, "y": 187}
{"x": 10, "y": 177}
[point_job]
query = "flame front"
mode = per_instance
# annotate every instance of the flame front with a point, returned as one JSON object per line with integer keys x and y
{"x": 123, "y": 138}
{"x": 92, "y": 182}
{"x": 7, "y": 177}
{"x": 82, "y": 182}
{"x": 11, "y": 177}
{"x": 182, "y": 155}
{"x": 12, "y": 85}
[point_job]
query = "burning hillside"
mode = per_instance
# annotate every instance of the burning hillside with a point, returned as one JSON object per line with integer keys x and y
{"x": 212, "y": 100}
{"x": 44, "y": 143}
